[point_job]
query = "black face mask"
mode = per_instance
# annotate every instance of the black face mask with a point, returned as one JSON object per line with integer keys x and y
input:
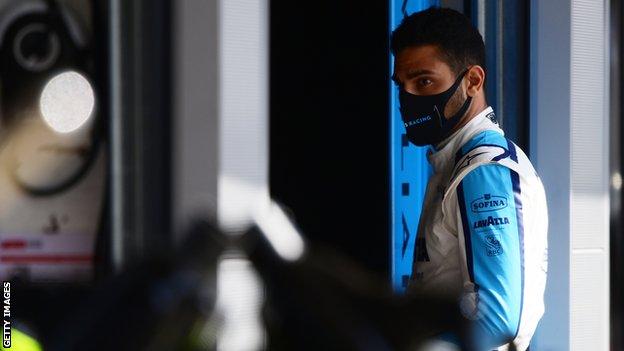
{"x": 423, "y": 115}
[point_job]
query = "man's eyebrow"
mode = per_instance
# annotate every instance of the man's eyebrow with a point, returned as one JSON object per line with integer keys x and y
{"x": 411, "y": 75}
{"x": 417, "y": 73}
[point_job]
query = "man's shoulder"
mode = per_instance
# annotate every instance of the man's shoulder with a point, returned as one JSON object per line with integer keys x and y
{"x": 489, "y": 153}
{"x": 490, "y": 146}
{"x": 484, "y": 138}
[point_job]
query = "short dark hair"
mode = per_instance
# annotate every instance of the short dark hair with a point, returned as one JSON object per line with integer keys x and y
{"x": 458, "y": 40}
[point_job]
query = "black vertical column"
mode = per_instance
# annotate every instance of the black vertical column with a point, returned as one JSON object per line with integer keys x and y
{"x": 615, "y": 165}
{"x": 140, "y": 95}
{"x": 329, "y": 132}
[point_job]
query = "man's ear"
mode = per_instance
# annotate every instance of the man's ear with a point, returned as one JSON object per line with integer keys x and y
{"x": 475, "y": 77}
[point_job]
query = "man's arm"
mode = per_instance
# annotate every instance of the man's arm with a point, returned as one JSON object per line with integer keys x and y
{"x": 490, "y": 225}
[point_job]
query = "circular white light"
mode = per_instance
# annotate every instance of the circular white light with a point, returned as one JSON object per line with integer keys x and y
{"x": 67, "y": 101}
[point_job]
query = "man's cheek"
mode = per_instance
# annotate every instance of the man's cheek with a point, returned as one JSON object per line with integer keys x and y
{"x": 455, "y": 103}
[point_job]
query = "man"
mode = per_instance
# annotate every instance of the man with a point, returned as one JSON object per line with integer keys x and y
{"x": 484, "y": 218}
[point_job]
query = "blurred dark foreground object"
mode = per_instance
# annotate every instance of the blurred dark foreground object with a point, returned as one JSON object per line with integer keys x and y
{"x": 325, "y": 302}
{"x": 154, "y": 305}
{"x": 320, "y": 301}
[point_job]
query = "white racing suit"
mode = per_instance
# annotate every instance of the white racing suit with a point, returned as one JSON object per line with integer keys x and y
{"x": 482, "y": 235}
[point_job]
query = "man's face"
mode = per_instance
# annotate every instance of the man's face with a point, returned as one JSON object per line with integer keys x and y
{"x": 421, "y": 70}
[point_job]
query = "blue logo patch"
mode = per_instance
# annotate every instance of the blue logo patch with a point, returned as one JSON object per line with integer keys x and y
{"x": 488, "y": 203}
{"x": 493, "y": 246}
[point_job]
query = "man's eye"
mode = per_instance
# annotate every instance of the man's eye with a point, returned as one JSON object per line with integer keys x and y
{"x": 424, "y": 82}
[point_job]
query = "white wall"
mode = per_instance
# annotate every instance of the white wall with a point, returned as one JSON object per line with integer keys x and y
{"x": 569, "y": 146}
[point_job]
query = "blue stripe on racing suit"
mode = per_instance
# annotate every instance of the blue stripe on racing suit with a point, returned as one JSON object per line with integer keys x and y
{"x": 484, "y": 138}
{"x": 491, "y": 212}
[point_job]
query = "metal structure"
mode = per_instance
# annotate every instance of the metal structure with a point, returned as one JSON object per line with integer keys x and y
{"x": 409, "y": 171}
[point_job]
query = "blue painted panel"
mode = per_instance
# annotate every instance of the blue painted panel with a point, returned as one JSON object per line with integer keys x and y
{"x": 409, "y": 171}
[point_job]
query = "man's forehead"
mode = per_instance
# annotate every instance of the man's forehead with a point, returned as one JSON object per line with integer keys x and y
{"x": 412, "y": 62}
{"x": 426, "y": 57}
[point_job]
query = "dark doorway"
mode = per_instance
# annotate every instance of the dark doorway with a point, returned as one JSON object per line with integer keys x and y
{"x": 329, "y": 123}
